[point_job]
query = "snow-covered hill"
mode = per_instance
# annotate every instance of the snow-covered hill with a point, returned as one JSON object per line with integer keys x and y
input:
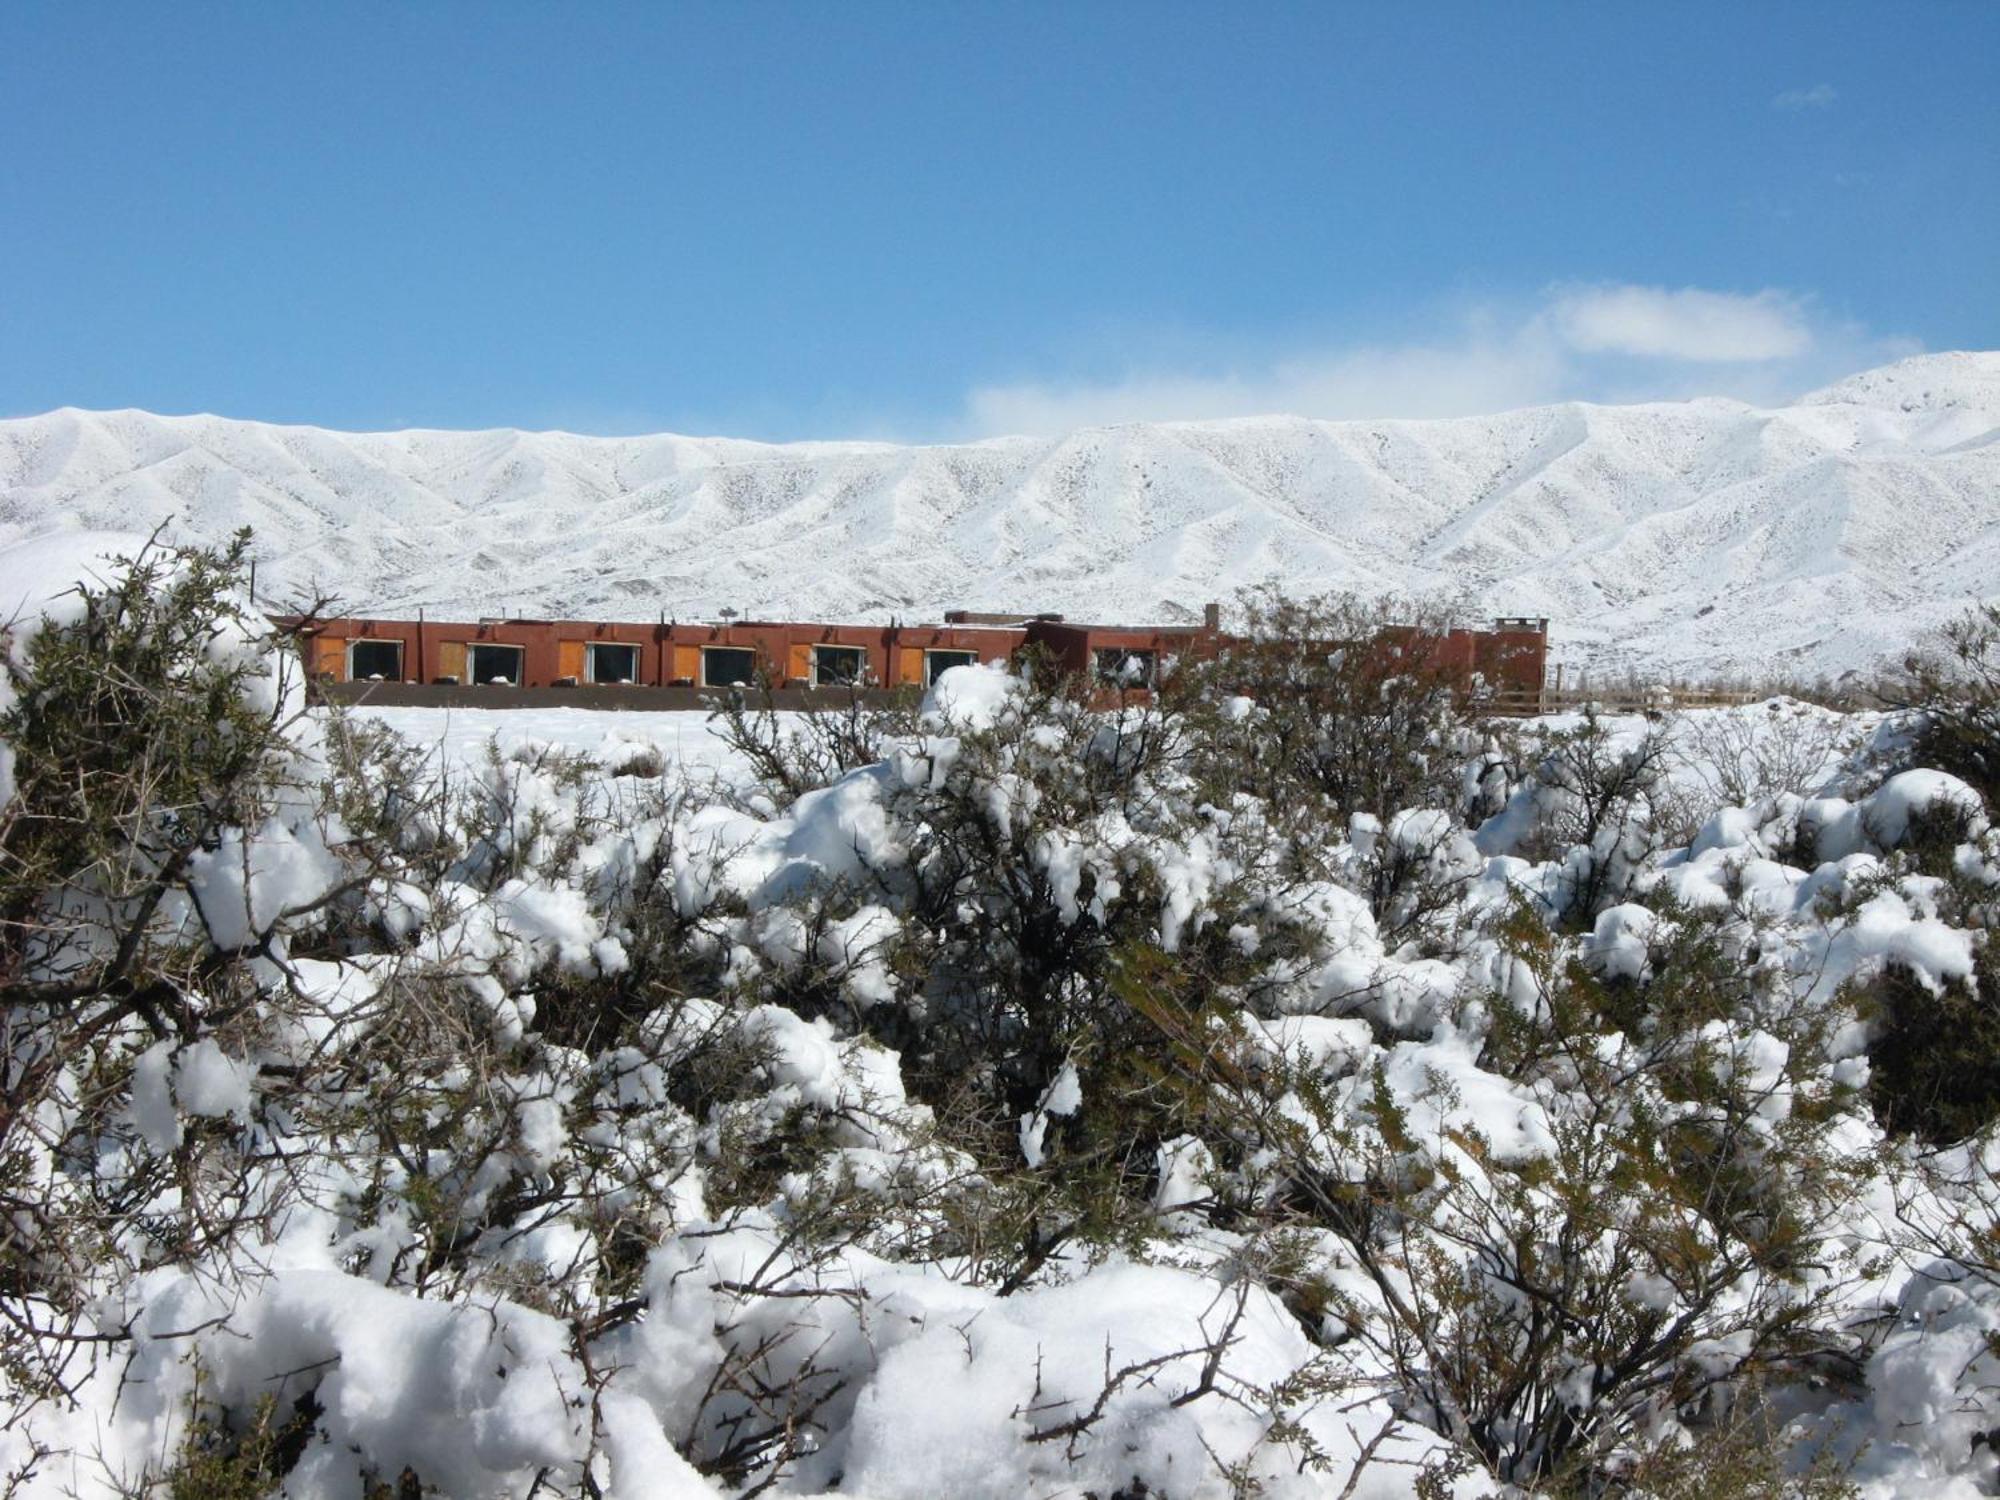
{"x": 1705, "y": 536}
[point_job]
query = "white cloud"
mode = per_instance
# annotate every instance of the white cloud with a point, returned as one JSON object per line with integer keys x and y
{"x": 1607, "y": 343}
{"x": 1819, "y": 96}
{"x": 1654, "y": 322}
{"x": 1412, "y": 382}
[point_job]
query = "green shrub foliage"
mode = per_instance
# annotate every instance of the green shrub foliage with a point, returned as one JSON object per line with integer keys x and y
{"x": 1515, "y": 1104}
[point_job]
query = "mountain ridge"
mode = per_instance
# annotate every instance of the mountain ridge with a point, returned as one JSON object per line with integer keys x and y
{"x": 1705, "y": 536}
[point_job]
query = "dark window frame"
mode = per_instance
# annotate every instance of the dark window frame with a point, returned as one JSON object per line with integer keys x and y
{"x": 932, "y": 671}
{"x": 374, "y": 643}
{"x": 1109, "y": 663}
{"x": 590, "y": 673}
{"x": 709, "y": 653}
{"x": 520, "y": 669}
{"x": 856, "y": 654}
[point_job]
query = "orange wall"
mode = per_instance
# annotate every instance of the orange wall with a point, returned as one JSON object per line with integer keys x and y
{"x": 1511, "y": 659}
{"x": 668, "y": 653}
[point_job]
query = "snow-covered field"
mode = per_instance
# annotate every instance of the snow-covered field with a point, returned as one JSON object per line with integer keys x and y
{"x": 684, "y": 741}
{"x": 1701, "y": 538}
{"x": 1053, "y": 1104}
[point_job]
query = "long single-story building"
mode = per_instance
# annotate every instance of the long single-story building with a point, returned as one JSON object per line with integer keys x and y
{"x": 574, "y": 653}
{"x": 670, "y": 662}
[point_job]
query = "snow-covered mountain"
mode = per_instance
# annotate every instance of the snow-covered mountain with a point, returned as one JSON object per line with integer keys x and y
{"x": 1706, "y": 536}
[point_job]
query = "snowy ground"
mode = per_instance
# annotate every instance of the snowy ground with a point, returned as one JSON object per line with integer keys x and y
{"x": 462, "y": 734}
{"x": 685, "y": 739}
{"x": 386, "y": 1171}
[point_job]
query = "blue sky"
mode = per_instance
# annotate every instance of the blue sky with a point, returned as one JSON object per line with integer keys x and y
{"x": 938, "y": 221}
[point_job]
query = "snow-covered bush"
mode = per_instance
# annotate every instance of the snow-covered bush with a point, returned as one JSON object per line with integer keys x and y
{"x": 1932, "y": 1001}
{"x": 1011, "y": 1097}
{"x": 1592, "y": 806}
{"x": 834, "y": 733}
{"x": 1953, "y": 687}
{"x": 1346, "y": 701}
{"x": 161, "y": 836}
{"x": 1781, "y": 747}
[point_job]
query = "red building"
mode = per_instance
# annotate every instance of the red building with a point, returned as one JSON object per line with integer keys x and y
{"x": 572, "y": 653}
{"x": 618, "y": 662}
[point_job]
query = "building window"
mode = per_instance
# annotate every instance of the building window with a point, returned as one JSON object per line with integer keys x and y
{"x": 937, "y": 663}
{"x": 497, "y": 666}
{"x": 838, "y": 666}
{"x": 607, "y": 662}
{"x": 727, "y": 666}
{"x": 1125, "y": 666}
{"x": 375, "y": 661}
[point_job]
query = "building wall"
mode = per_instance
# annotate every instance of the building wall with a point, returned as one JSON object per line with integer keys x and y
{"x": 1512, "y": 659}
{"x": 669, "y": 653}
{"x": 1074, "y": 647}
